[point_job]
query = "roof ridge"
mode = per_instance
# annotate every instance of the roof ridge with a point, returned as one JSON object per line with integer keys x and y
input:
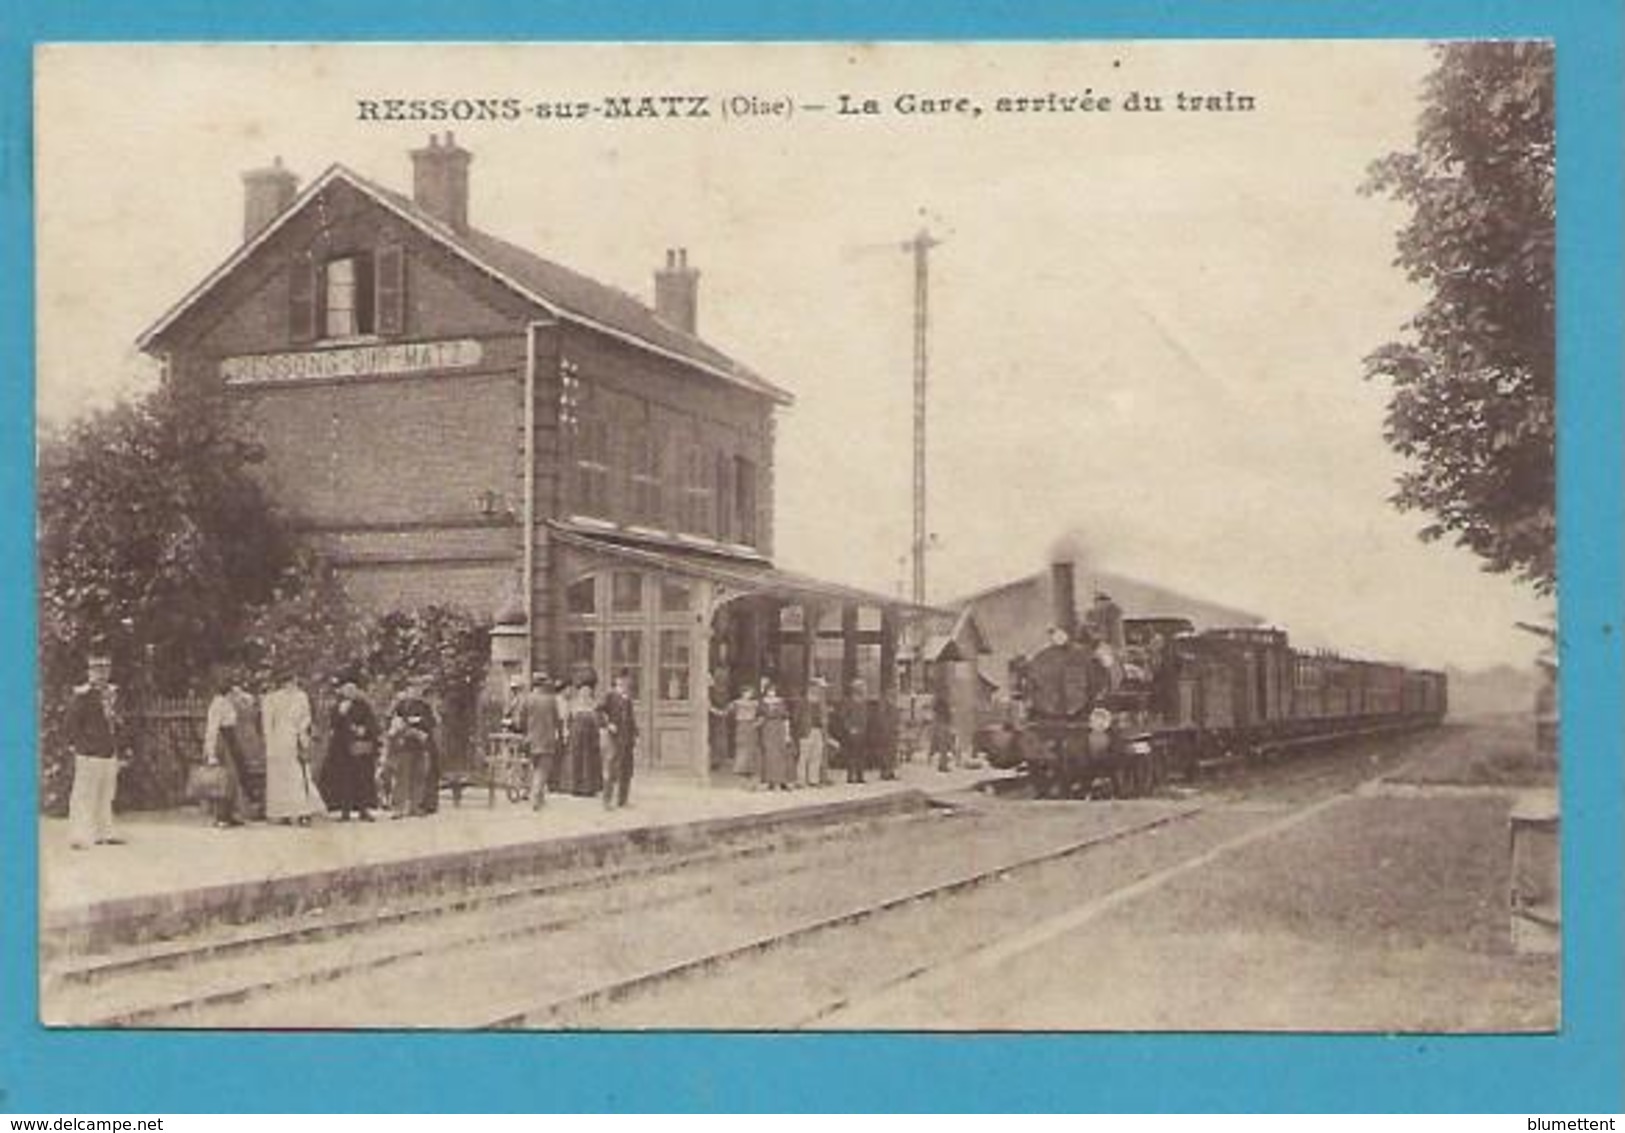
{"x": 1114, "y": 578}
{"x": 684, "y": 347}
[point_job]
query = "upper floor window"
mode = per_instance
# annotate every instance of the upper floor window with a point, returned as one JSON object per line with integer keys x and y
{"x": 694, "y": 503}
{"x": 648, "y": 491}
{"x": 348, "y": 296}
{"x": 726, "y": 529}
{"x": 592, "y": 467}
{"x": 745, "y": 501}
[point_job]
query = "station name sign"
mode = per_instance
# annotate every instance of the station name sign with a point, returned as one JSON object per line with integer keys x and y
{"x": 352, "y": 362}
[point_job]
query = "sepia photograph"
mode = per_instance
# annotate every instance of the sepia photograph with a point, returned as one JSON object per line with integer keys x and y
{"x": 909, "y": 537}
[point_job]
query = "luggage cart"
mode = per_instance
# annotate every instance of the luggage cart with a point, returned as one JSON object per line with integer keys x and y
{"x": 507, "y": 767}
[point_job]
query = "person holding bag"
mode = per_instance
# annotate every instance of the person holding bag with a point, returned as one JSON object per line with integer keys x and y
{"x": 218, "y": 781}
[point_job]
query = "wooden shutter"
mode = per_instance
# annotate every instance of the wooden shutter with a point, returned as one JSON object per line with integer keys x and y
{"x": 389, "y": 290}
{"x": 302, "y": 291}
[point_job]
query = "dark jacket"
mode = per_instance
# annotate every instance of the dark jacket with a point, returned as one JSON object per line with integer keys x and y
{"x": 852, "y": 728}
{"x": 621, "y": 718}
{"x": 540, "y": 720}
{"x": 89, "y": 723}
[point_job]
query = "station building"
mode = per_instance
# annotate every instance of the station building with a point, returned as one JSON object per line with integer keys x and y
{"x": 454, "y": 419}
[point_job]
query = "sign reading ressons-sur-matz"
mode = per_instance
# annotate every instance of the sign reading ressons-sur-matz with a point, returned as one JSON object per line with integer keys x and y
{"x": 381, "y": 360}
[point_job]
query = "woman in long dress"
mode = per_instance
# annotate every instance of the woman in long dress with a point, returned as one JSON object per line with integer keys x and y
{"x": 290, "y": 791}
{"x": 349, "y": 777}
{"x": 747, "y": 733}
{"x": 251, "y": 746}
{"x": 585, "y": 765}
{"x": 776, "y": 757}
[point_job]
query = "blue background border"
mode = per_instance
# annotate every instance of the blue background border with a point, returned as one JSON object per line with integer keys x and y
{"x": 1579, "y": 1070}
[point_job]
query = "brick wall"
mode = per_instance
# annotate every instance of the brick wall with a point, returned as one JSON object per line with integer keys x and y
{"x": 634, "y": 389}
{"x": 390, "y": 471}
{"x": 418, "y": 449}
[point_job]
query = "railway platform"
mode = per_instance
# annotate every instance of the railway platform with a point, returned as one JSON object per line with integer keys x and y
{"x": 177, "y": 873}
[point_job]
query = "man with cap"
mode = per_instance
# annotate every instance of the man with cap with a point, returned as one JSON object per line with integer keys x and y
{"x": 814, "y": 745}
{"x": 90, "y": 727}
{"x": 621, "y": 728}
{"x": 542, "y": 723}
{"x": 853, "y": 728}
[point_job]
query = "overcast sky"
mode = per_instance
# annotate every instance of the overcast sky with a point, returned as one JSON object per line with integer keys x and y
{"x": 1146, "y": 328}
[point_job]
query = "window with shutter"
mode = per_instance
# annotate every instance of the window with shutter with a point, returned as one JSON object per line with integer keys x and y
{"x": 390, "y": 290}
{"x": 725, "y": 497}
{"x": 302, "y": 299}
{"x": 745, "y": 501}
{"x": 347, "y": 297}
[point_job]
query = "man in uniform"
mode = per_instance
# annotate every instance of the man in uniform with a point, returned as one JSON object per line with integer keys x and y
{"x": 543, "y": 727}
{"x": 91, "y": 724}
{"x": 621, "y": 725}
{"x": 854, "y": 733}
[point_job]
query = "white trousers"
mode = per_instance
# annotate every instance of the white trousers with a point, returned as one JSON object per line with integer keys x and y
{"x": 90, "y": 803}
{"x": 811, "y": 773}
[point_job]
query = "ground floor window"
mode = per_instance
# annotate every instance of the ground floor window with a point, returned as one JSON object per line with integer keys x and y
{"x": 869, "y": 669}
{"x": 827, "y": 660}
{"x": 580, "y": 648}
{"x": 676, "y": 664}
{"x": 626, "y": 655}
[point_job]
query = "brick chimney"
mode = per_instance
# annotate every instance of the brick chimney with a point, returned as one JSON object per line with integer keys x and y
{"x": 440, "y": 180}
{"x": 677, "y": 291}
{"x": 266, "y": 194}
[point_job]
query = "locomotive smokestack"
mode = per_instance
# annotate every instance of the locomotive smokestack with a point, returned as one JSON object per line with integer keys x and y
{"x": 1063, "y": 596}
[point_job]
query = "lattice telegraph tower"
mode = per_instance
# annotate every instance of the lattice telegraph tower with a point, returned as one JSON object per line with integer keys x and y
{"x": 921, "y": 246}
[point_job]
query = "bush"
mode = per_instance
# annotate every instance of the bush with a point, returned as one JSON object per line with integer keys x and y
{"x": 447, "y": 645}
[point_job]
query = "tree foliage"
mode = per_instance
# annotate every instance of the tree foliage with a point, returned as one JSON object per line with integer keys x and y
{"x": 154, "y": 540}
{"x": 1474, "y": 374}
{"x": 443, "y": 643}
{"x": 311, "y": 630}
{"x": 157, "y": 543}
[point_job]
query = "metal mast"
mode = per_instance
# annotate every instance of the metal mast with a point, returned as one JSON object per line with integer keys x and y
{"x": 921, "y": 246}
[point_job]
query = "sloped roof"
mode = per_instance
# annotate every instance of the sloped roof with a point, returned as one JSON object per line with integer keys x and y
{"x": 561, "y": 291}
{"x": 1138, "y": 598}
{"x": 1014, "y": 615}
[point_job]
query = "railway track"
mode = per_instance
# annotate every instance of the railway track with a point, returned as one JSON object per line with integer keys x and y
{"x": 945, "y": 973}
{"x": 225, "y": 980}
{"x": 88, "y": 971}
{"x": 617, "y": 991}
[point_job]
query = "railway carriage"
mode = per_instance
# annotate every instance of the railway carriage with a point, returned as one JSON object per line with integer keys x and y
{"x": 1117, "y": 705}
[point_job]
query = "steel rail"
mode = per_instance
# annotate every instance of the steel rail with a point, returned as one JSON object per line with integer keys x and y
{"x": 464, "y": 903}
{"x": 536, "y": 1016}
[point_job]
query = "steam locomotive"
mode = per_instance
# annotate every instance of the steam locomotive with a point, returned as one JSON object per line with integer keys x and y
{"x": 1120, "y": 705}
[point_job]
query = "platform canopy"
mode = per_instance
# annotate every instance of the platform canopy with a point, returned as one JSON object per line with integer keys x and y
{"x": 741, "y": 572}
